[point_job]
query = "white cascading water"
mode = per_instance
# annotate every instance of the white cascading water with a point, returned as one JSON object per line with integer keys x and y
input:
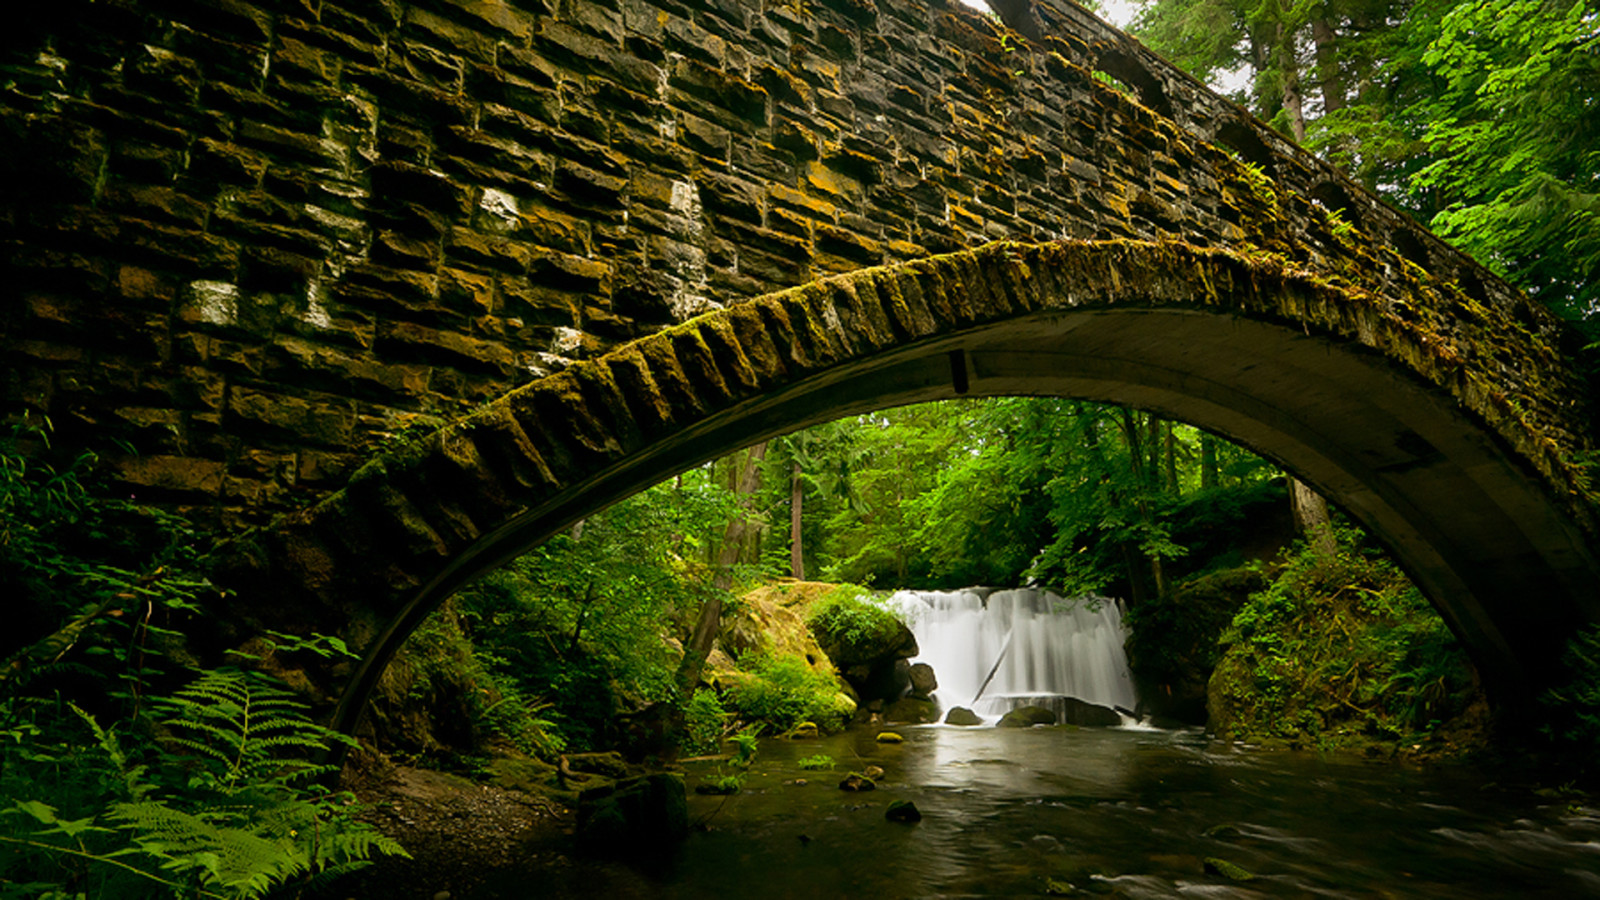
{"x": 1058, "y": 647}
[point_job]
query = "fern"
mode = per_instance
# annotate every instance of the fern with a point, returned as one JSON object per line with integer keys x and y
{"x": 245, "y": 730}
{"x": 242, "y": 818}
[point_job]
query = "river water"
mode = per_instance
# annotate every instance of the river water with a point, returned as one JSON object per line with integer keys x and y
{"x": 1109, "y": 810}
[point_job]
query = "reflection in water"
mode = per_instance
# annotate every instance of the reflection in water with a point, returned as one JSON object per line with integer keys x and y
{"x": 1135, "y": 810}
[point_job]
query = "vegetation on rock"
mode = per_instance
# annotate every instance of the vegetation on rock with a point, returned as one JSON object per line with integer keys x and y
{"x": 1343, "y": 651}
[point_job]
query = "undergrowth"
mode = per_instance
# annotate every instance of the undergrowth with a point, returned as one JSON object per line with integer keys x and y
{"x": 127, "y": 771}
{"x": 1340, "y": 651}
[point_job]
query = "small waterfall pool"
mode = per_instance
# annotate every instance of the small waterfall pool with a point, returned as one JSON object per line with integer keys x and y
{"x": 1019, "y": 647}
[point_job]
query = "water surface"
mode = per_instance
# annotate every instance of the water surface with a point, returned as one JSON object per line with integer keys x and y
{"x": 1111, "y": 809}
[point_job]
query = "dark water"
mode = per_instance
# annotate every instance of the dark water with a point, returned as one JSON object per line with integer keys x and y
{"x": 1107, "y": 809}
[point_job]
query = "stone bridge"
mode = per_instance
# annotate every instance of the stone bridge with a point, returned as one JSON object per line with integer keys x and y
{"x": 275, "y": 244}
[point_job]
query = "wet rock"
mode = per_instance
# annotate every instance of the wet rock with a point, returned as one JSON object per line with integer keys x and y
{"x": 911, "y": 711}
{"x": 856, "y": 782}
{"x": 962, "y": 716}
{"x": 803, "y": 731}
{"x": 1027, "y": 716}
{"x": 889, "y": 737}
{"x": 651, "y": 810}
{"x": 1228, "y": 870}
{"x": 923, "y": 682}
{"x": 1082, "y": 712}
{"x": 873, "y": 772}
{"x": 903, "y": 811}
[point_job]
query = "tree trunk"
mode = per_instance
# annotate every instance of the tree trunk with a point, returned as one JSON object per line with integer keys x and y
{"x": 733, "y": 538}
{"x": 797, "y": 560}
{"x": 1311, "y": 517}
{"x": 1171, "y": 454}
{"x": 1330, "y": 81}
{"x": 1289, "y": 71}
{"x": 1208, "y": 462}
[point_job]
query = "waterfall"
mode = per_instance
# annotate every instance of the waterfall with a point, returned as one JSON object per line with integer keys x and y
{"x": 1058, "y": 647}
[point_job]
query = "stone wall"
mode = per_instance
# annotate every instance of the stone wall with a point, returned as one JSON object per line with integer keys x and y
{"x": 254, "y": 239}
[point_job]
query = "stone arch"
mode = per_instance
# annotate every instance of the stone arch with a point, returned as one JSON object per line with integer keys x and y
{"x": 1336, "y": 383}
{"x": 1127, "y": 69}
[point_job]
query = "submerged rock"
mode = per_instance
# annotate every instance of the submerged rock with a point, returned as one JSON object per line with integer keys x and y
{"x": 1026, "y": 716}
{"x": 1227, "y": 869}
{"x": 903, "y": 811}
{"x": 962, "y": 716}
{"x": 873, "y": 772}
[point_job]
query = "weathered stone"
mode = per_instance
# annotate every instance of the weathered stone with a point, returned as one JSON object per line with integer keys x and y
{"x": 290, "y": 228}
{"x": 962, "y": 716}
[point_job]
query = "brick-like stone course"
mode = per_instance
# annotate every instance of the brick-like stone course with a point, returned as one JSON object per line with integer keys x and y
{"x": 284, "y": 229}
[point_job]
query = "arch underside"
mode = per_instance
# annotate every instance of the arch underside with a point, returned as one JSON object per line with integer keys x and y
{"x": 1471, "y": 522}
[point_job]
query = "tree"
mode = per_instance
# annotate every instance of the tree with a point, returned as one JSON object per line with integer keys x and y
{"x": 1515, "y": 141}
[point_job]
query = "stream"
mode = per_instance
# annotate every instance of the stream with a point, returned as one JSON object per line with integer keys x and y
{"x": 1110, "y": 809}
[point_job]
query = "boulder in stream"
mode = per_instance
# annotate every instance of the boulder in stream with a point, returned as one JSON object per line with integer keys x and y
{"x": 1027, "y": 716}
{"x": 903, "y": 811}
{"x": 911, "y": 711}
{"x": 962, "y": 716}
{"x": 1082, "y": 712}
{"x": 652, "y": 810}
{"x": 923, "y": 681}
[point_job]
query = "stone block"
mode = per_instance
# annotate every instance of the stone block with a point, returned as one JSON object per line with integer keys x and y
{"x": 161, "y": 477}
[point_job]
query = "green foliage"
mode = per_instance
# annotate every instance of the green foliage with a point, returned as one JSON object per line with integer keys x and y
{"x": 846, "y": 618}
{"x": 745, "y": 746}
{"x": 136, "y": 790}
{"x": 1513, "y": 135}
{"x": 784, "y": 692}
{"x": 819, "y": 762}
{"x": 571, "y": 635}
{"x": 1339, "y": 650}
{"x": 705, "y": 722}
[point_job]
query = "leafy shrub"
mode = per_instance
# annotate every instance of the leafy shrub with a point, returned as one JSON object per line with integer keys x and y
{"x": 785, "y": 692}
{"x": 849, "y": 625}
{"x": 1339, "y": 650}
{"x": 704, "y": 722}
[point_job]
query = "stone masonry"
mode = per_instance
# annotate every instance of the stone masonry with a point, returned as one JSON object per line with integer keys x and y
{"x": 254, "y": 239}
{"x": 274, "y": 246}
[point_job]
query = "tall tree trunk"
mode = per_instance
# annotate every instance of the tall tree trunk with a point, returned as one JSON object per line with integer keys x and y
{"x": 797, "y": 560}
{"x": 1171, "y": 455}
{"x": 733, "y": 541}
{"x": 1289, "y": 71}
{"x": 1311, "y": 517}
{"x": 1208, "y": 462}
{"x": 1330, "y": 81}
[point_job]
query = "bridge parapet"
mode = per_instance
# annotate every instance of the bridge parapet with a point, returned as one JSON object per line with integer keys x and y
{"x": 255, "y": 238}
